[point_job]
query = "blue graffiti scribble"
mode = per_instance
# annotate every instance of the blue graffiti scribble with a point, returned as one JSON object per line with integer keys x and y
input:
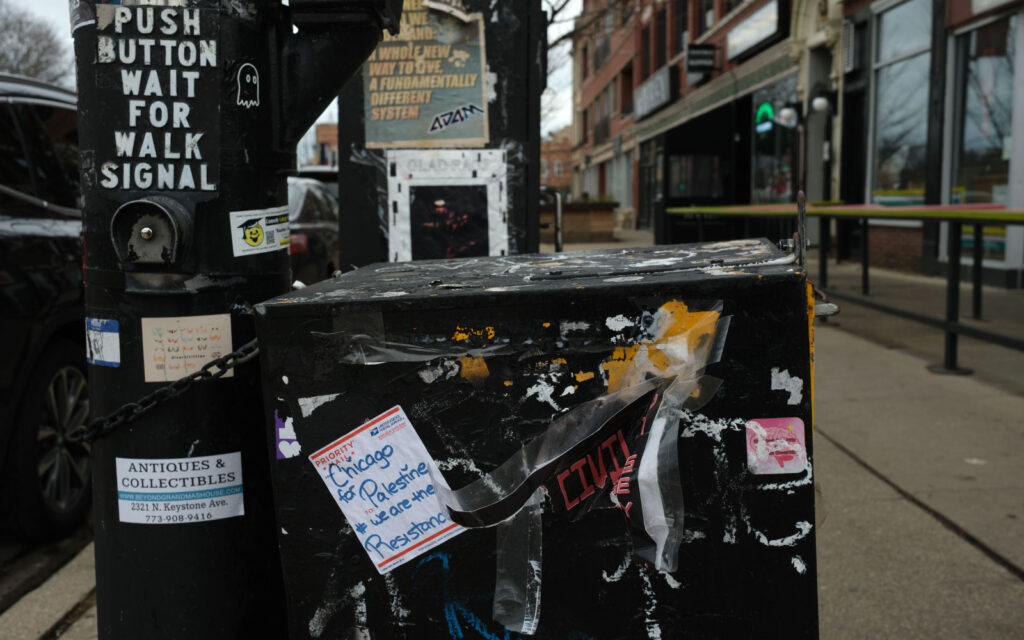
{"x": 455, "y": 608}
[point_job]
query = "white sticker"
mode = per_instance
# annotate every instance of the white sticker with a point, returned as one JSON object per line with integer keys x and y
{"x": 179, "y": 490}
{"x": 259, "y": 231}
{"x": 173, "y": 348}
{"x": 379, "y": 474}
{"x": 103, "y": 342}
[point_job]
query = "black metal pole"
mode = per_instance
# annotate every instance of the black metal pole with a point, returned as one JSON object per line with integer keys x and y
{"x": 558, "y": 222}
{"x": 977, "y": 271}
{"x": 864, "y": 269}
{"x": 949, "y": 360}
{"x": 188, "y": 119}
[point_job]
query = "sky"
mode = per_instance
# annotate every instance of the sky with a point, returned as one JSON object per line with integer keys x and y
{"x": 558, "y": 95}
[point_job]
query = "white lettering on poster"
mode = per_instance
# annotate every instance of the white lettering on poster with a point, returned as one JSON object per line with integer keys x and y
{"x": 379, "y": 475}
{"x": 163, "y": 53}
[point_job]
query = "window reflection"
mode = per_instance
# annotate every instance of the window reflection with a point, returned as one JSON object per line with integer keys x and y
{"x": 901, "y": 128}
{"x": 904, "y": 30}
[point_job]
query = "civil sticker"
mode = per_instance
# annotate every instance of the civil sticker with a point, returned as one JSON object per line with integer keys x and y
{"x": 173, "y": 348}
{"x": 379, "y": 475}
{"x": 102, "y": 342}
{"x": 776, "y": 446}
{"x": 179, "y": 490}
{"x": 259, "y": 231}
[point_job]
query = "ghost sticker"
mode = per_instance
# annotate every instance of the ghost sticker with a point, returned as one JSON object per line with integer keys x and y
{"x": 252, "y": 232}
{"x": 248, "y": 86}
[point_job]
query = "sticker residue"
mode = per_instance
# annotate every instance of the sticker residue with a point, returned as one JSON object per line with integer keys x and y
{"x": 783, "y": 381}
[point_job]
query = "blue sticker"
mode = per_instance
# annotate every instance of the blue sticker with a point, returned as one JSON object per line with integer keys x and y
{"x": 102, "y": 342}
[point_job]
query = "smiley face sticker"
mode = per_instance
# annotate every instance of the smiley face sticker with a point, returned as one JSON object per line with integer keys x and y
{"x": 259, "y": 231}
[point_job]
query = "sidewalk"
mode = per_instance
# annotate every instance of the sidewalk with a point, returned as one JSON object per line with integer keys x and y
{"x": 920, "y": 516}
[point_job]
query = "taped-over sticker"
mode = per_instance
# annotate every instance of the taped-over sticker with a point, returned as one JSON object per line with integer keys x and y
{"x": 259, "y": 231}
{"x": 176, "y": 347}
{"x": 103, "y": 342}
{"x": 776, "y": 446}
{"x": 380, "y": 476}
{"x": 179, "y": 490}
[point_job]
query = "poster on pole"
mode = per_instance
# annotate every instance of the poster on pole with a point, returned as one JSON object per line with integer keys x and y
{"x": 426, "y": 87}
{"x": 447, "y": 203}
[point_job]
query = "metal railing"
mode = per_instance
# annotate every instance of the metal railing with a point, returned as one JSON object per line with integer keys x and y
{"x": 957, "y": 215}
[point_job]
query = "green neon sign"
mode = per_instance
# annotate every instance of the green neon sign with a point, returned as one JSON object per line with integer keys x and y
{"x": 765, "y": 113}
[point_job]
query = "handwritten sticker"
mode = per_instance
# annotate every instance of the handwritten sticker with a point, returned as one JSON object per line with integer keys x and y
{"x": 379, "y": 474}
{"x": 776, "y": 446}
{"x": 103, "y": 342}
{"x": 173, "y": 348}
{"x": 179, "y": 490}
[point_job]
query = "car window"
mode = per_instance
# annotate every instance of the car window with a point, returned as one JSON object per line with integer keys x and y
{"x": 325, "y": 209}
{"x": 14, "y": 173}
{"x": 332, "y": 212}
{"x": 48, "y": 172}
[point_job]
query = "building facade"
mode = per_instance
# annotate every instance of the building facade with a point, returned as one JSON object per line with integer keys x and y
{"x": 556, "y": 160}
{"x": 893, "y": 102}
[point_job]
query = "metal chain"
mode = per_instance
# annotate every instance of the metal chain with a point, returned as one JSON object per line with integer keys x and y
{"x": 212, "y": 370}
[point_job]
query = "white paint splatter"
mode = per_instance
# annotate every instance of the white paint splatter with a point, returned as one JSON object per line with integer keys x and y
{"x": 803, "y": 528}
{"x": 492, "y": 82}
{"x": 621, "y": 571}
{"x": 308, "y": 405}
{"x": 721, "y": 271}
{"x": 543, "y": 392}
{"x": 672, "y": 582}
{"x": 397, "y": 610}
{"x": 390, "y": 294}
{"x": 692, "y": 536}
{"x": 699, "y": 423}
{"x": 192, "y": 449}
{"x": 467, "y": 464}
{"x": 320, "y": 618}
{"x": 806, "y": 479}
{"x": 284, "y": 379}
{"x": 566, "y": 328}
{"x": 283, "y": 532}
{"x": 782, "y": 381}
{"x": 619, "y": 322}
{"x": 445, "y": 370}
{"x": 798, "y": 564}
{"x": 651, "y": 604}
{"x": 571, "y": 389}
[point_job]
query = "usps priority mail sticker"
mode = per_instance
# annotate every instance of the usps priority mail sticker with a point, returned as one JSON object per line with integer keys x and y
{"x": 776, "y": 446}
{"x": 259, "y": 231}
{"x": 379, "y": 474}
{"x": 179, "y": 490}
{"x": 102, "y": 342}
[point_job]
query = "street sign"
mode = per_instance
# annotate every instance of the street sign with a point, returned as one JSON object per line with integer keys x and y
{"x": 700, "y": 57}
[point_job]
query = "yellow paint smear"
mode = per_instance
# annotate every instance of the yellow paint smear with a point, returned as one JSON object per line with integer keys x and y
{"x": 509, "y": 383}
{"x": 464, "y": 333}
{"x": 546, "y": 325}
{"x": 674, "y": 326}
{"x": 474, "y": 369}
{"x": 583, "y": 376}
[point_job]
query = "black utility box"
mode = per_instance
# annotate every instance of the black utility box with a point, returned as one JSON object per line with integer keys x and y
{"x": 554, "y": 370}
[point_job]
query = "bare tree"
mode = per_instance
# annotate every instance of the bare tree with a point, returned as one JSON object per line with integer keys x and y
{"x": 31, "y": 47}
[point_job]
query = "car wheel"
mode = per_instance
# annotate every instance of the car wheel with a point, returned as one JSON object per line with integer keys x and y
{"x": 48, "y": 477}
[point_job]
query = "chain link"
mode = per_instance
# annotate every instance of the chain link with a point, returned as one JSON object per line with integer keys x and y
{"x": 98, "y": 427}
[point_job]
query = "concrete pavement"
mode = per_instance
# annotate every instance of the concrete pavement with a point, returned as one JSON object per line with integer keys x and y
{"x": 920, "y": 517}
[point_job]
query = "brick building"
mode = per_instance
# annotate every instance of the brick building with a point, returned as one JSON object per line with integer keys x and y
{"x": 556, "y": 160}
{"x": 326, "y": 144}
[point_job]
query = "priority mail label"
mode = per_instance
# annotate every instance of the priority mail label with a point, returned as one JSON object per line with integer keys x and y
{"x": 259, "y": 231}
{"x": 180, "y": 490}
{"x": 379, "y": 475}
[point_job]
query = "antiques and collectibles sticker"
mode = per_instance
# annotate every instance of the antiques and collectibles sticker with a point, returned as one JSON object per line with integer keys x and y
{"x": 180, "y": 490}
{"x": 379, "y": 475}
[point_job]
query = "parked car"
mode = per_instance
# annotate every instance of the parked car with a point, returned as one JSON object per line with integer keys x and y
{"x": 45, "y": 478}
{"x": 315, "y": 245}
{"x": 328, "y": 176}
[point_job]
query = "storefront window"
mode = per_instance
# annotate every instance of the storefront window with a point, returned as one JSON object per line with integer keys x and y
{"x": 775, "y": 142}
{"x": 983, "y": 114}
{"x": 902, "y": 66}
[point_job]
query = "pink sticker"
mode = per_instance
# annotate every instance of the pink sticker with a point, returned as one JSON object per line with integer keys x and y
{"x": 776, "y": 446}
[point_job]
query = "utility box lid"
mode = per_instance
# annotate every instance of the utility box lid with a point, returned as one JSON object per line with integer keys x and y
{"x": 611, "y": 444}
